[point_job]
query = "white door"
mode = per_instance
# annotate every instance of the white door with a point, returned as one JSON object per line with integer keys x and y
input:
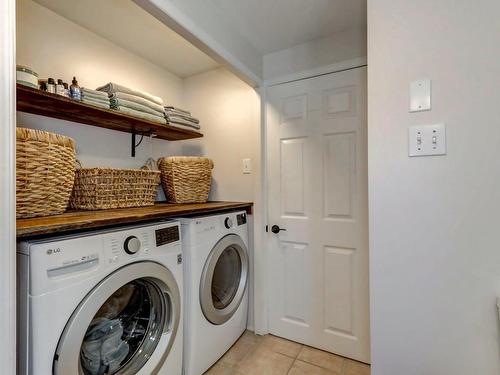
{"x": 318, "y": 265}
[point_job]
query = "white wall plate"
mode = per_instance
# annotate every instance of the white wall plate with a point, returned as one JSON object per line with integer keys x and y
{"x": 420, "y": 95}
{"x": 425, "y": 140}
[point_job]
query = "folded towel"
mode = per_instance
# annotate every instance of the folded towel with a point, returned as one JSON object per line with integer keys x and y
{"x": 114, "y": 87}
{"x": 90, "y": 92}
{"x": 96, "y": 103}
{"x": 116, "y": 102}
{"x": 175, "y": 115}
{"x": 142, "y": 115}
{"x": 181, "y": 126}
{"x": 177, "y": 109}
{"x": 137, "y": 99}
{"x": 179, "y": 120}
{"x": 95, "y": 99}
{"x": 174, "y": 112}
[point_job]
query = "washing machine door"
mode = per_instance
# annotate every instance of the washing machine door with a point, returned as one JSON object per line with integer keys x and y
{"x": 224, "y": 279}
{"x": 128, "y": 322}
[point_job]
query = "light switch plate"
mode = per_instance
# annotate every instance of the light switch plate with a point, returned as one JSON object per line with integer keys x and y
{"x": 247, "y": 166}
{"x": 425, "y": 140}
{"x": 420, "y": 95}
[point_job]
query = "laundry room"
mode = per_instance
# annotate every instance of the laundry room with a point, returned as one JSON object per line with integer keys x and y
{"x": 208, "y": 131}
{"x": 249, "y": 187}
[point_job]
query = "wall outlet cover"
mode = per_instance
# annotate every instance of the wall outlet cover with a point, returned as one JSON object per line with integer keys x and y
{"x": 420, "y": 95}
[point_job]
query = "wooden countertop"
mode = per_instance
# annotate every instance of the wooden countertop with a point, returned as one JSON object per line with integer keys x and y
{"x": 80, "y": 220}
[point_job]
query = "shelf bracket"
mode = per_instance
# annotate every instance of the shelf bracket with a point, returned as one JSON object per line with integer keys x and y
{"x": 135, "y": 145}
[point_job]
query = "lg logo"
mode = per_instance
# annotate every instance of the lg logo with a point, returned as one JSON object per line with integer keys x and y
{"x": 53, "y": 251}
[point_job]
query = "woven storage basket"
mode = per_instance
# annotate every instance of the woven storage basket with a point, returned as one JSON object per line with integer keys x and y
{"x": 45, "y": 172}
{"x": 186, "y": 179}
{"x": 105, "y": 188}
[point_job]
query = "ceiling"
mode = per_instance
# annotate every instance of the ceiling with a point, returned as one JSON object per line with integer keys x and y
{"x": 127, "y": 25}
{"x": 257, "y": 27}
{"x": 272, "y": 25}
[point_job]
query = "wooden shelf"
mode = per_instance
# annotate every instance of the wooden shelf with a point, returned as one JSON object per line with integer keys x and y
{"x": 72, "y": 221}
{"x": 51, "y": 105}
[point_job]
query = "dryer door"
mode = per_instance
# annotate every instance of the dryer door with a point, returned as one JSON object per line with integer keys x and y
{"x": 224, "y": 279}
{"x": 129, "y": 320}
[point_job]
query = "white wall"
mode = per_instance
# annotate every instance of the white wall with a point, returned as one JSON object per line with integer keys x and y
{"x": 55, "y": 47}
{"x": 230, "y": 110}
{"x": 434, "y": 221}
{"x": 318, "y": 53}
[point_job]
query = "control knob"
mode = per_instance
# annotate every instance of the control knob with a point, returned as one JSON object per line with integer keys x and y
{"x": 228, "y": 223}
{"x": 132, "y": 245}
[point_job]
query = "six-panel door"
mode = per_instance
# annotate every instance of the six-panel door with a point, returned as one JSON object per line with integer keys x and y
{"x": 317, "y": 158}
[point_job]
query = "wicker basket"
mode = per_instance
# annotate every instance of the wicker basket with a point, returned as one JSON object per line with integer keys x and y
{"x": 186, "y": 179}
{"x": 45, "y": 172}
{"x": 105, "y": 188}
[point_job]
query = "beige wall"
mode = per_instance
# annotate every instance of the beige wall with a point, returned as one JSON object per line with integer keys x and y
{"x": 434, "y": 221}
{"x": 55, "y": 47}
{"x": 230, "y": 110}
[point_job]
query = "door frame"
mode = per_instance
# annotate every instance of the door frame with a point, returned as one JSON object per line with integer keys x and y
{"x": 7, "y": 185}
{"x": 261, "y": 295}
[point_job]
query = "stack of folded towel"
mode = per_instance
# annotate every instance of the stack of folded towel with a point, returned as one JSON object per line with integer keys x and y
{"x": 181, "y": 118}
{"x": 134, "y": 102}
{"x": 96, "y": 98}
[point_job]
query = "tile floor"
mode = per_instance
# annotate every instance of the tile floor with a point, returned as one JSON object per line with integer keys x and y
{"x": 271, "y": 355}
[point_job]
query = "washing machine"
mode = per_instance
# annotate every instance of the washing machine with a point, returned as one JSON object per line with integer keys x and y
{"x": 105, "y": 302}
{"x": 216, "y": 268}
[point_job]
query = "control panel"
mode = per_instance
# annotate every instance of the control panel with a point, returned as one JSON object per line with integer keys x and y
{"x": 167, "y": 235}
{"x": 59, "y": 261}
{"x": 142, "y": 241}
{"x": 241, "y": 219}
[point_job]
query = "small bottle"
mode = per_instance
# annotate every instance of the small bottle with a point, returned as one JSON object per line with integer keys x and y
{"x": 75, "y": 90}
{"x": 60, "y": 88}
{"x": 42, "y": 83}
{"x": 51, "y": 86}
{"x": 66, "y": 90}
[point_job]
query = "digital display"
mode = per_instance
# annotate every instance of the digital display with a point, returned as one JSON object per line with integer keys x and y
{"x": 167, "y": 235}
{"x": 241, "y": 219}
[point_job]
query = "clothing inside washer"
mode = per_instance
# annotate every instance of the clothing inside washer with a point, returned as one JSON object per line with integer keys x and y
{"x": 103, "y": 349}
{"x": 120, "y": 329}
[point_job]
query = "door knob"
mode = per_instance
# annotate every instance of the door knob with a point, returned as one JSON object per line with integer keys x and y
{"x": 276, "y": 229}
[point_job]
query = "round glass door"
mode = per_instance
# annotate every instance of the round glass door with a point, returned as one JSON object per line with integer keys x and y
{"x": 125, "y": 331}
{"x": 126, "y": 325}
{"x": 224, "y": 279}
